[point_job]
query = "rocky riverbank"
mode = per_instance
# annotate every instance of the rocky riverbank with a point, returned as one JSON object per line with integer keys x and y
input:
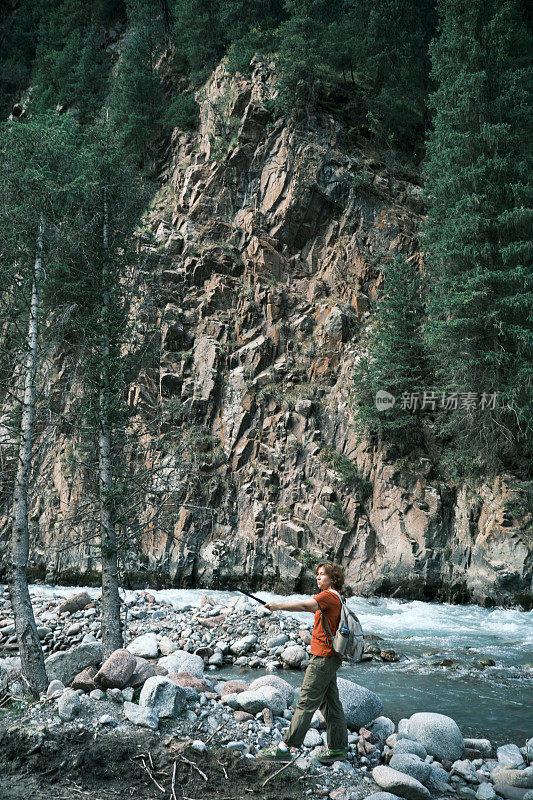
{"x": 164, "y": 693}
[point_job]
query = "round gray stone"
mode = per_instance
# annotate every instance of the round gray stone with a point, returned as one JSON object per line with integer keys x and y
{"x": 399, "y": 783}
{"x": 439, "y": 734}
{"x": 410, "y": 746}
{"x": 193, "y": 664}
{"x": 145, "y": 646}
{"x": 143, "y": 716}
{"x": 293, "y": 655}
{"x": 412, "y": 765}
{"x": 360, "y": 705}
{"x": 382, "y": 796}
{"x": 485, "y": 791}
{"x": 68, "y": 705}
{"x": 509, "y": 756}
{"x": 382, "y": 727}
{"x": 282, "y": 686}
{"x": 312, "y": 738}
{"x": 163, "y": 696}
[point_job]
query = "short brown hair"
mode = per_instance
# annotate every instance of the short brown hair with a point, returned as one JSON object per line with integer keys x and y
{"x": 334, "y": 571}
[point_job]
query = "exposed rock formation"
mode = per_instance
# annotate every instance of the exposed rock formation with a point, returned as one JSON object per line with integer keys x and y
{"x": 262, "y": 266}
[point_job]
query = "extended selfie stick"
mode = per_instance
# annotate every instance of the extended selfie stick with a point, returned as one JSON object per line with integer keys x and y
{"x": 243, "y": 591}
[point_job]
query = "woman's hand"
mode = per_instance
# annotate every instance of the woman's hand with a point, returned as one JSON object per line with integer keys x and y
{"x": 272, "y": 606}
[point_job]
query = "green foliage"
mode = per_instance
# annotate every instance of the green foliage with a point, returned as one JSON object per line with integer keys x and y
{"x": 394, "y": 361}
{"x": 183, "y": 113}
{"x": 336, "y": 514}
{"x": 300, "y": 39}
{"x": 383, "y": 47}
{"x": 136, "y": 101}
{"x": 347, "y": 471}
{"x": 18, "y": 38}
{"x": 309, "y": 560}
{"x": 39, "y": 188}
{"x": 71, "y": 65}
{"x": 241, "y": 51}
{"x": 199, "y": 37}
{"x": 478, "y": 232}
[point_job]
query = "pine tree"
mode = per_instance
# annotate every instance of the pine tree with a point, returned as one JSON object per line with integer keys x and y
{"x": 99, "y": 239}
{"x": 136, "y": 101}
{"x": 39, "y": 180}
{"x": 301, "y": 43}
{"x": 71, "y": 65}
{"x": 394, "y": 363}
{"x": 383, "y": 47}
{"x": 477, "y": 235}
{"x": 18, "y": 40}
{"x": 199, "y": 36}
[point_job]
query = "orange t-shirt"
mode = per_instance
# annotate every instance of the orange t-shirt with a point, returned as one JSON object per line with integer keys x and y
{"x": 330, "y": 605}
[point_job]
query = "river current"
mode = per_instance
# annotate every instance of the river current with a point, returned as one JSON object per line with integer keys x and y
{"x": 493, "y": 701}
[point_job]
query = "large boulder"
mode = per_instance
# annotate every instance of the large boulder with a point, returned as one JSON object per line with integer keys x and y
{"x": 116, "y": 671}
{"x": 64, "y": 666}
{"x": 281, "y": 685}
{"x": 164, "y": 696}
{"x": 399, "y": 783}
{"x": 235, "y": 687}
{"x": 167, "y": 646}
{"x": 360, "y": 705}
{"x": 382, "y": 728}
{"x": 410, "y": 746}
{"x": 76, "y": 602}
{"x": 510, "y": 757}
{"x": 520, "y": 778}
{"x": 273, "y": 700}
{"x": 145, "y": 646}
{"x": 188, "y": 679}
{"x": 439, "y": 734}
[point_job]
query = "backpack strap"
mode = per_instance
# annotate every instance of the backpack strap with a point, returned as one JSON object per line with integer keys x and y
{"x": 326, "y": 629}
{"x": 325, "y": 624}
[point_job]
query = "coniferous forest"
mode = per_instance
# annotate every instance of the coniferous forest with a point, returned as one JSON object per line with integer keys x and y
{"x": 449, "y": 80}
{"x": 91, "y": 92}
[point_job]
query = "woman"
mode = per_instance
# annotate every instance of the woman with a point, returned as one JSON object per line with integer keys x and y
{"x": 319, "y": 687}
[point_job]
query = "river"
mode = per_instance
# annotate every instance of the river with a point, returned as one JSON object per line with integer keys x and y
{"x": 494, "y": 701}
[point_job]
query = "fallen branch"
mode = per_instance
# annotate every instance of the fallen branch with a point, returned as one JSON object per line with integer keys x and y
{"x": 173, "y": 792}
{"x": 194, "y": 766}
{"x": 223, "y": 769}
{"x": 212, "y": 734}
{"x": 279, "y": 770}
{"x": 148, "y": 772}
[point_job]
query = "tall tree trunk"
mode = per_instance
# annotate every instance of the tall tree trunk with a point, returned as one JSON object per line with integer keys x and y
{"x": 111, "y": 627}
{"x": 31, "y": 654}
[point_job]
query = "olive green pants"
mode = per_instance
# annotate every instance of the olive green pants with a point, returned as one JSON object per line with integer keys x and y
{"x": 319, "y": 690}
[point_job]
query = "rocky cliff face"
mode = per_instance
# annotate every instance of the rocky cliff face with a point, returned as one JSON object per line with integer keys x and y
{"x": 261, "y": 268}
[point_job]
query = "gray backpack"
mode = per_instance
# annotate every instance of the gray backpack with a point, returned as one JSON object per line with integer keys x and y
{"x": 348, "y": 640}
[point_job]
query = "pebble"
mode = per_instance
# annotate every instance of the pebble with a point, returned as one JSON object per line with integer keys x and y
{"x": 176, "y": 637}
